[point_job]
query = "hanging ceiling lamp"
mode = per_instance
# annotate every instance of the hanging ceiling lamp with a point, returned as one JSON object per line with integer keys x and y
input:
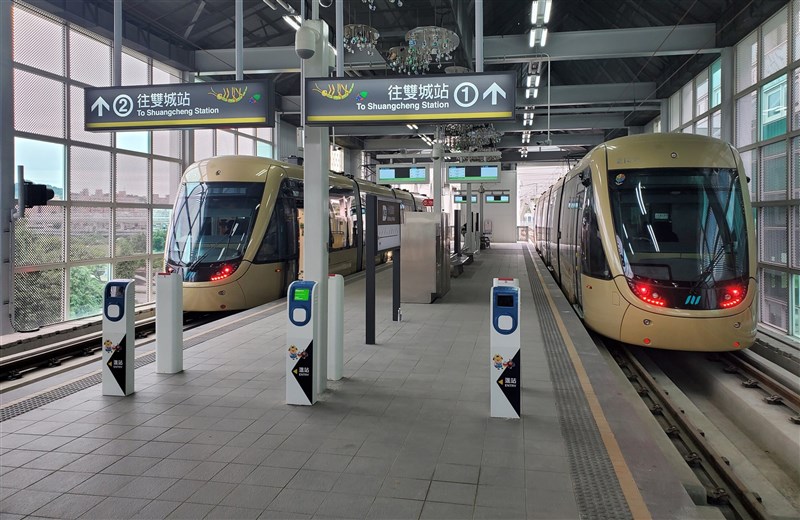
{"x": 360, "y": 37}
{"x": 427, "y": 45}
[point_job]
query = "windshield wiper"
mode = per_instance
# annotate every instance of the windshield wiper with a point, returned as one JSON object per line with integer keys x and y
{"x": 709, "y": 270}
{"x": 199, "y": 259}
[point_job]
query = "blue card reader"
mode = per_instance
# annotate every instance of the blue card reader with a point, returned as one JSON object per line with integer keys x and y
{"x": 300, "y": 296}
{"x": 505, "y": 309}
{"x": 114, "y": 299}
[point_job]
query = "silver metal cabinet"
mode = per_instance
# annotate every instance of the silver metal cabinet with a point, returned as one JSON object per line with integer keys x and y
{"x": 425, "y": 263}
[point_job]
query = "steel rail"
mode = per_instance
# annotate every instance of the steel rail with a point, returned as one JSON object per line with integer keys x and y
{"x": 724, "y": 488}
{"x": 750, "y": 367}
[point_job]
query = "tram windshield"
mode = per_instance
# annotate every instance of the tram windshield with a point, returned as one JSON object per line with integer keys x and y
{"x": 213, "y": 222}
{"x": 685, "y": 226}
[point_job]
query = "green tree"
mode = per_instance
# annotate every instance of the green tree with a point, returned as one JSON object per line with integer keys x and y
{"x": 86, "y": 291}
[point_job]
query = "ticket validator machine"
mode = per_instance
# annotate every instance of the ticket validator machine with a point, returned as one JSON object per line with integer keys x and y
{"x": 118, "y": 337}
{"x": 504, "y": 341}
{"x": 302, "y": 359}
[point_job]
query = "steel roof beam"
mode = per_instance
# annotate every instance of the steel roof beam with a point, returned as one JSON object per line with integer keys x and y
{"x": 507, "y": 141}
{"x": 604, "y": 44}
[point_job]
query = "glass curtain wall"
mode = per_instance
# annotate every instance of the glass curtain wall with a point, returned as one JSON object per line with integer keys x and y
{"x": 767, "y": 134}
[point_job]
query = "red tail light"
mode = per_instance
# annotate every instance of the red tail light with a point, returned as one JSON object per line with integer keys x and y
{"x": 732, "y": 296}
{"x": 223, "y": 273}
{"x": 648, "y": 294}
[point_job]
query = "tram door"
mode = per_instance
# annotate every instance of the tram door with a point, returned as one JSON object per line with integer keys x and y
{"x": 577, "y": 252}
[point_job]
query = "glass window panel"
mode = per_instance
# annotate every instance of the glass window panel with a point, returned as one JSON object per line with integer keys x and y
{"x": 796, "y": 26}
{"x": 38, "y": 41}
{"x": 716, "y": 83}
{"x": 89, "y": 60}
{"x": 796, "y": 306}
{"x": 796, "y": 99}
{"x": 674, "y": 111}
{"x": 86, "y": 286}
{"x": 774, "y": 298}
{"x": 688, "y": 130}
{"x": 774, "y": 34}
{"x": 167, "y": 143}
{"x": 134, "y": 71}
{"x": 701, "y": 127}
{"x": 263, "y": 149}
{"x": 750, "y": 163}
{"x": 686, "y": 103}
{"x": 134, "y": 141}
{"x": 39, "y": 237}
{"x": 746, "y": 60}
{"x": 701, "y": 88}
{"x": 89, "y": 174}
{"x": 226, "y": 143}
{"x": 131, "y": 179}
{"x": 246, "y": 146}
{"x": 746, "y": 120}
{"x": 203, "y": 144}
{"x": 90, "y": 233}
{"x": 795, "y": 228}
{"x": 38, "y": 298}
{"x": 716, "y": 124}
{"x": 248, "y": 131}
{"x": 264, "y": 133}
{"x": 795, "y": 168}
{"x": 773, "y": 172}
{"x": 76, "y": 121}
{"x": 44, "y": 163}
{"x": 161, "y": 218}
{"x": 38, "y": 104}
{"x": 774, "y": 237}
{"x": 773, "y": 108}
{"x": 136, "y": 270}
{"x": 131, "y": 232}
{"x": 166, "y": 176}
{"x": 162, "y": 76}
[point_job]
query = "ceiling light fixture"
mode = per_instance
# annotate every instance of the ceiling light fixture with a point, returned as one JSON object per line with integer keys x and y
{"x": 532, "y": 39}
{"x": 294, "y": 21}
{"x": 360, "y": 37}
{"x": 426, "y": 45}
{"x": 547, "y": 6}
{"x": 534, "y": 11}
{"x": 543, "y": 40}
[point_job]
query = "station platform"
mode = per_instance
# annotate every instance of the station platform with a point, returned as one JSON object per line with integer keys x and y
{"x": 405, "y": 434}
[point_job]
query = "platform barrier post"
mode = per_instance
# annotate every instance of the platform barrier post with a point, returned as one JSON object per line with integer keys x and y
{"x": 504, "y": 349}
{"x": 335, "y": 326}
{"x": 169, "y": 323}
{"x": 302, "y": 361}
{"x": 118, "y": 337}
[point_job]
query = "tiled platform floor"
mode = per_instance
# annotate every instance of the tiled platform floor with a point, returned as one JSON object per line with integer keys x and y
{"x": 405, "y": 434}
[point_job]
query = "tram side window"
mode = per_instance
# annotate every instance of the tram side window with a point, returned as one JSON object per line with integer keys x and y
{"x": 280, "y": 240}
{"x": 593, "y": 259}
{"x": 342, "y": 218}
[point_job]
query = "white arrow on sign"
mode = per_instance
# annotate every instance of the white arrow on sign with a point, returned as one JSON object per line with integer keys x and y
{"x": 494, "y": 89}
{"x": 100, "y": 105}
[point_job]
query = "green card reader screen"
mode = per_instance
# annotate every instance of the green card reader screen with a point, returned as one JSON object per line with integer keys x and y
{"x": 301, "y": 295}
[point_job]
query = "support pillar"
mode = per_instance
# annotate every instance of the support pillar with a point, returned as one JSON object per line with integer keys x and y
{"x": 727, "y": 103}
{"x": 468, "y": 243}
{"x": 436, "y": 174}
{"x": 116, "y": 51}
{"x": 6, "y": 166}
{"x": 239, "y": 28}
{"x": 316, "y": 170}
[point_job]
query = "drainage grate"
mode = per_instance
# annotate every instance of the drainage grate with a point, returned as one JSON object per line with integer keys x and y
{"x": 597, "y": 488}
{"x": 31, "y": 403}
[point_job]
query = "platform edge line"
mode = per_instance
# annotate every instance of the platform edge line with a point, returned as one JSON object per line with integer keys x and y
{"x": 631, "y": 491}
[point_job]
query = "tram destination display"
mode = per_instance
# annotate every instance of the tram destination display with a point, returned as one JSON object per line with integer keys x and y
{"x": 462, "y": 199}
{"x": 403, "y": 174}
{"x": 473, "y": 172}
{"x": 496, "y": 199}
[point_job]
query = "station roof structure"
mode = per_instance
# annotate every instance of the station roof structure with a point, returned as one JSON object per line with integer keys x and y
{"x": 610, "y": 63}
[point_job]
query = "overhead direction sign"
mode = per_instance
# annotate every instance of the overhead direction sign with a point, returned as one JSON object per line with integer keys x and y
{"x": 180, "y": 105}
{"x": 399, "y": 99}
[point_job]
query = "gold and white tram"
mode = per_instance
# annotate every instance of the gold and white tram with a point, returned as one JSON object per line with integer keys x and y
{"x": 651, "y": 238}
{"x": 237, "y": 230}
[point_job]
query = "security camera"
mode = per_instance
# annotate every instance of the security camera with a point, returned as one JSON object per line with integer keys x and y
{"x": 305, "y": 42}
{"x": 437, "y": 152}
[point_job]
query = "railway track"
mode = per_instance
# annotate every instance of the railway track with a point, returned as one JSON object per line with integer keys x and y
{"x": 724, "y": 488}
{"x": 17, "y": 366}
{"x": 756, "y": 375}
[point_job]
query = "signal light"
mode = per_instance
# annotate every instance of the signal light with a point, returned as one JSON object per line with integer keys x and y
{"x": 37, "y": 194}
{"x": 646, "y": 341}
{"x": 732, "y": 296}
{"x": 223, "y": 273}
{"x": 647, "y": 294}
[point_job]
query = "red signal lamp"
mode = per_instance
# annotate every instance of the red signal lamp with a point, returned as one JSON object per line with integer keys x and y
{"x": 223, "y": 273}
{"x": 648, "y": 295}
{"x": 732, "y": 296}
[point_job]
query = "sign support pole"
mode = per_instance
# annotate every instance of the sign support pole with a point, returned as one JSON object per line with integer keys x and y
{"x": 436, "y": 174}
{"x": 239, "y": 28}
{"x": 116, "y": 53}
{"x": 469, "y": 220}
{"x": 372, "y": 238}
{"x": 396, "y": 314}
{"x": 316, "y": 202}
